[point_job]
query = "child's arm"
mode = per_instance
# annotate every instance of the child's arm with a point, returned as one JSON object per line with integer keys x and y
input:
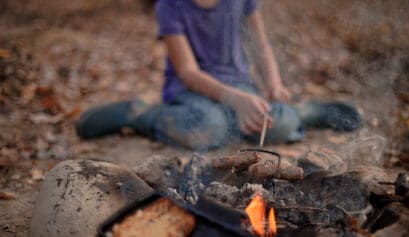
{"x": 250, "y": 108}
{"x": 266, "y": 61}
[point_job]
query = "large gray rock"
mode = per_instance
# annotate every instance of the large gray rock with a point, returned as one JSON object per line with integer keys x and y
{"x": 76, "y": 196}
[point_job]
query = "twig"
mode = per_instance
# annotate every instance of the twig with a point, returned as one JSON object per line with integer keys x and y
{"x": 263, "y": 132}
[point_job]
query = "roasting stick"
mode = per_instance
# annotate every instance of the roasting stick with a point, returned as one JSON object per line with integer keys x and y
{"x": 263, "y": 132}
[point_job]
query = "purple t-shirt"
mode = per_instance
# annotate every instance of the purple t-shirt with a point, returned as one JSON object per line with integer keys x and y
{"x": 214, "y": 36}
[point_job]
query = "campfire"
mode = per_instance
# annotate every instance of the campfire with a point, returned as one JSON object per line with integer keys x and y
{"x": 257, "y": 193}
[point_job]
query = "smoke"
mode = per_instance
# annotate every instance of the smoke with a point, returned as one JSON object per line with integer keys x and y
{"x": 344, "y": 50}
{"x": 366, "y": 149}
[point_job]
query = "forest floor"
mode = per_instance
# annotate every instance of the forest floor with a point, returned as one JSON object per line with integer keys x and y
{"x": 58, "y": 58}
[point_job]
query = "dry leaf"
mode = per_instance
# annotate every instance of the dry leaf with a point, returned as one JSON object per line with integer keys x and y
{"x": 74, "y": 113}
{"x": 8, "y": 157}
{"x": 339, "y": 140}
{"x": 374, "y": 122}
{"x": 407, "y": 123}
{"x": 45, "y": 90}
{"x": 51, "y": 165}
{"x": 50, "y": 102}
{"x": 37, "y": 174}
{"x": 39, "y": 118}
{"x": 50, "y": 136}
{"x": 4, "y": 53}
{"x": 315, "y": 89}
{"x": 29, "y": 92}
{"x": 5, "y": 162}
{"x": 7, "y": 195}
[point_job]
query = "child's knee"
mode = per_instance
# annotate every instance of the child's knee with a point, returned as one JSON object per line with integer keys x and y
{"x": 197, "y": 130}
{"x": 210, "y": 133}
{"x": 204, "y": 139}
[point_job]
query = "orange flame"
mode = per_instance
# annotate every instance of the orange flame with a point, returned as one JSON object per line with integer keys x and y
{"x": 272, "y": 222}
{"x": 256, "y": 211}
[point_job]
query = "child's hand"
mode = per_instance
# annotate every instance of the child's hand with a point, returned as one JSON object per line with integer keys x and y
{"x": 250, "y": 110}
{"x": 278, "y": 92}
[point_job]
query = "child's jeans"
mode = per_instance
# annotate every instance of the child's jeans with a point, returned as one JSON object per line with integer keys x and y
{"x": 196, "y": 122}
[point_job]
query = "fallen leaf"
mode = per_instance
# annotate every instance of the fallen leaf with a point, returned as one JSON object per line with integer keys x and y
{"x": 9, "y": 228}
{"x": 50, "y": 137}
{"x": 374, "y": 122}
{"x": 407, "y": 123}
{"x": 4, "y": 162}
{"x": 7, "y": 195}
{"x": 39, "y": 118}
{"x": 339, "y": 140}
{"x": 8, "y": 157}
{"x": 4, "y": 53}
{"x": 51, "y": 165}
{"x": 45, "y": 90}
{"x": 29, "y": 92}
{"x": 314, "y": 89}
{"x": 50, "y": 102}
{"x": 37, "y": 174}
{"x": 74, "y": 113}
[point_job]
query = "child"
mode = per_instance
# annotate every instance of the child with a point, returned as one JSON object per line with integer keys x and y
{"x": 209, "y": 99}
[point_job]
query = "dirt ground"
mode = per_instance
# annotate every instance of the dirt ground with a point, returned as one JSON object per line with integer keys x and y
{"x": 58, "y": 58}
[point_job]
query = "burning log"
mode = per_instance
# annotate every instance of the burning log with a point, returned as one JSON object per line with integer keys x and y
{"x": 239, "y": 161}
{"x": 281, "y": 170}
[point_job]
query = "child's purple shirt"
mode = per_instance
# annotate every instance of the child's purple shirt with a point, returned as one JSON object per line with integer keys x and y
{"x": 214, "y": 36}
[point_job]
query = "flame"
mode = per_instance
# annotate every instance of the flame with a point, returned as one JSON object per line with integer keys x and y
{"x": 256, "y": 211}
{"x": 272, "y": 222}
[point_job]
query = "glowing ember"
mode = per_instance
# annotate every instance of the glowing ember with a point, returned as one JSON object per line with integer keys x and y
{"x": 256, "y": 211}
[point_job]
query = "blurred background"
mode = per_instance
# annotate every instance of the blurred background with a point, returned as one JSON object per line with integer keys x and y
{"x": 58, "y": 58}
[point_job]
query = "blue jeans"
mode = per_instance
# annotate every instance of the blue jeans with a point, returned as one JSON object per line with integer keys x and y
{"x": 196, "y": 122}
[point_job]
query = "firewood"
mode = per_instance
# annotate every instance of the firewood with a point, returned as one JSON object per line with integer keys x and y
{"x": 161, "y": 218}
{"x": 239, "y": 161}
{"x": 270, "y": 169}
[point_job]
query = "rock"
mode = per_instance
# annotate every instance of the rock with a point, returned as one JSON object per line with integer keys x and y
{"x": 322, "y": 160}
{"x": 400, "y": 228}
{"x": 223, "y": 193}
{"x": 78, "y": 195}
{"x": 371, "y": 176}
{"x": 160, "y": 172}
